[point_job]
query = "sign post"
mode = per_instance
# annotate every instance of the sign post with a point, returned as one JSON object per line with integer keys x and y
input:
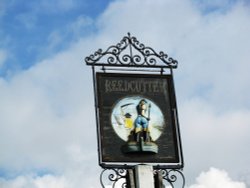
{"x": 144, "y": 176}
{"x": 136, "y": 112}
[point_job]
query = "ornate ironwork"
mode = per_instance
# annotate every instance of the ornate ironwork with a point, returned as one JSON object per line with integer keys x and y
{"x": 116, "y": 177}
{"x": 170, "y": 176}
{"x": 131, "y": 53}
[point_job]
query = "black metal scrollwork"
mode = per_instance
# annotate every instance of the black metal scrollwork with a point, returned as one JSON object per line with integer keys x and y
{"x": 114, "y": 176}
{"x": 129, "y": 52}
{"x": 119, "y": 178}
{"x": 170, "y": 176}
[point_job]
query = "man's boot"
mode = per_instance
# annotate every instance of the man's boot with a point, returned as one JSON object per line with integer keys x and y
{"x": 147, "y": 136}
{"x": 138, "y": 135}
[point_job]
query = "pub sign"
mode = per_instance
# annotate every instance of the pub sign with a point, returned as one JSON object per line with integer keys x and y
{"x": 137, "y": 120}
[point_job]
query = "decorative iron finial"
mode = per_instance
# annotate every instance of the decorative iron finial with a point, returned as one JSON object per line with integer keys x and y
{"x": 129, "y": 52}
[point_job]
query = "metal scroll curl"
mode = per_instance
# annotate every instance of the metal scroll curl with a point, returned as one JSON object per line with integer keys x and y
{"x": 129, "y": 52}
{"x": 170, "y": 176}
{"x": 115, "y": 177}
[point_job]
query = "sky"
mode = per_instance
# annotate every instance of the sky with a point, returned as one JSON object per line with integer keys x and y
{"x": 47, "y": 121}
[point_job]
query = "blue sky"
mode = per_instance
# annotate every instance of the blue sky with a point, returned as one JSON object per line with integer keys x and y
{"x": 47, "y": 128}
{"x": 27, "y": 28}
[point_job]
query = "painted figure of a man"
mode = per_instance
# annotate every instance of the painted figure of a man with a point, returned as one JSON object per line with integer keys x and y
{"x": 142, "y": 121}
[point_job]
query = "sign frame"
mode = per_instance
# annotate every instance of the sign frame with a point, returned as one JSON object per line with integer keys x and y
{"x": 131, "y": 59}
{"x": 104, "y": 124}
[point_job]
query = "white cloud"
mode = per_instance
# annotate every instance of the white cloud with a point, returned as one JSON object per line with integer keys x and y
{"x": 82, "y": 22}
{"x": 212, "y": 49}
{"x": 47, "y": 116}
{"x": 59, "y": 38}
{"x": 214, "y": 139}
{"x": 46, "y": 110}
{"x": 35, "y": 182}
{"x": 49, "y": 181}
{"x": 54, "y": 39}
{"x": 214, "y": 5}
{"x": 215, "y": 178}
{"x": 213, "y": 56}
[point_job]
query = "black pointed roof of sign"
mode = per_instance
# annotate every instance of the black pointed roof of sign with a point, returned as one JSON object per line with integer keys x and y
{"x": 129, "y": 52}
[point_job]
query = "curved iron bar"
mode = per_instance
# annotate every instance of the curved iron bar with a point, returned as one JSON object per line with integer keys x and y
{"x": 114, "y": 176}
{"x": 171, "y": 177}
{"x": 138, "y": 56}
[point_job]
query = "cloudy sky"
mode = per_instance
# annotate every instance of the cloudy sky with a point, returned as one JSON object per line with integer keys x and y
{"x": 47, "y": 122}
